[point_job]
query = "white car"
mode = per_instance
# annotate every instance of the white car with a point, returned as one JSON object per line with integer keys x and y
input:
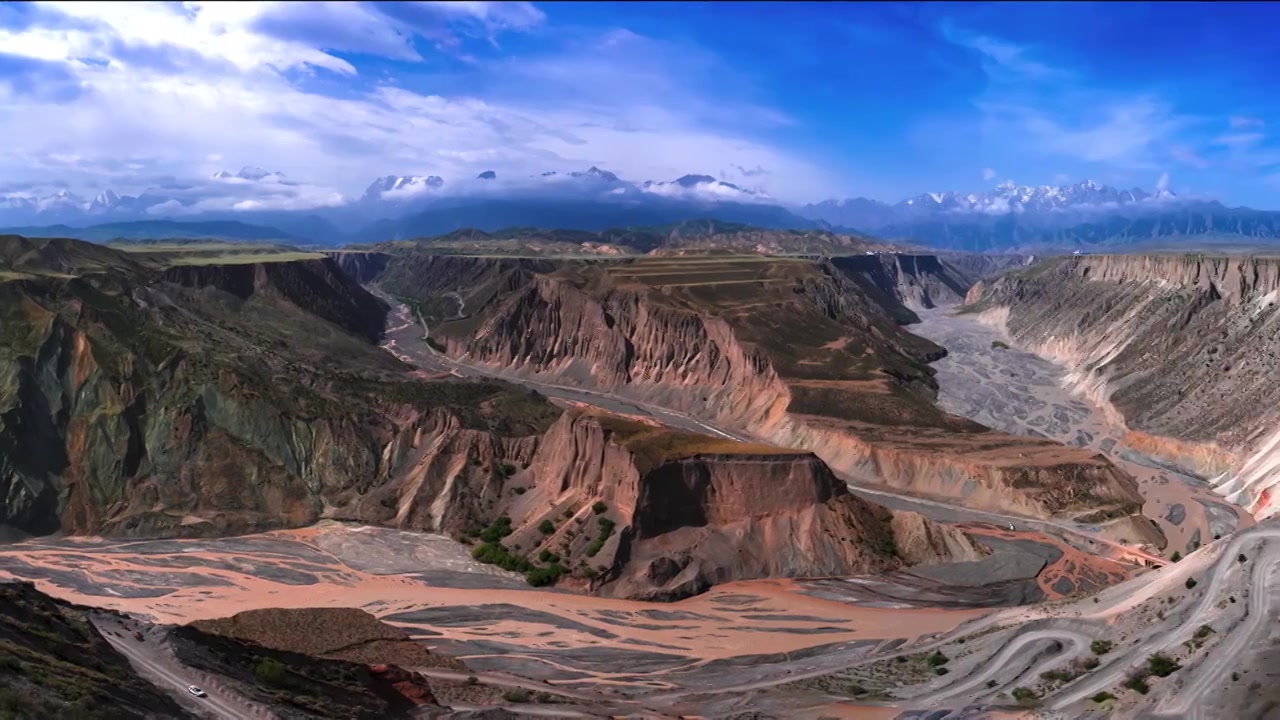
{"x": 196, "y": 691}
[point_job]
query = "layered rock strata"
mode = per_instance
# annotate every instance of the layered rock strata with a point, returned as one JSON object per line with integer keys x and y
{"x": 801, "y": 354}
{"x": 1182, "y": 349}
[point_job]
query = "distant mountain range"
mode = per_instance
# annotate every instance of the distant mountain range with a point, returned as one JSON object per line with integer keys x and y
{"x": 257, "y": 204}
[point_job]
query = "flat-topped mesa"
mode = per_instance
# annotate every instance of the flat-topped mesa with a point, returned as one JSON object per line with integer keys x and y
{"x": 649, "y": 513}
{"x": 800, "y": 353}
{"x": 1182, "y": 349}
{"x": 1236, "y": 279}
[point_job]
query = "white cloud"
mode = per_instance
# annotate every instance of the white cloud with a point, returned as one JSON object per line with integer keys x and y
{"x": 1240, "y": 122}
{"x": 988, "y": 174}
{"x": 180, "y": 91}
{"x": 1162, "y": 182}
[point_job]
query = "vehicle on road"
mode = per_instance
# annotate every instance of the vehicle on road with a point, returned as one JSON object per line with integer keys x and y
{"x": 197, "y": 691}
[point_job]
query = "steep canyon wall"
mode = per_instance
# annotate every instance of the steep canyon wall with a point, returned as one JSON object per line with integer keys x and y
{"x": 801, "y": 354}
{"x": 1183, "y": 349}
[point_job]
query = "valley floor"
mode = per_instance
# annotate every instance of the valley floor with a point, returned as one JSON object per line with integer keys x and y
{"x": 1017, "y": 392}
{"x": 840, "y": 647}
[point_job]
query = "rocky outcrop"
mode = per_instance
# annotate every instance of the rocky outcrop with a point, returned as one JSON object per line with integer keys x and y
{"x": 361, "y": 266}
{"x": 1181, "y": 349}
{"x": 213, "y": 400}
{"x": 652, "y": 514}
{"x": 56, "y": 664}
{"x": 916, "y": 281}
{"x": 318, "y": 287}
{"x": 232, "y": 399}
{"x": 801, "y": 354}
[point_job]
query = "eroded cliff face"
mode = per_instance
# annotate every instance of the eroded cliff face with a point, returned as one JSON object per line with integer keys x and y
{"x": 799, "y": 354}
{"x": 916, "y": 281}
{"x": 1182, "y": 349}
{"x": 670, "y": 524}
{"x": 213, "y": 400}
{"x": 232, "y": 399}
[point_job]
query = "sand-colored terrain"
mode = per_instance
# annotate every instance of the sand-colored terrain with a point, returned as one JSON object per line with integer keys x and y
{"x": 1017, "y": 392}
{"x": 488, "y": 618}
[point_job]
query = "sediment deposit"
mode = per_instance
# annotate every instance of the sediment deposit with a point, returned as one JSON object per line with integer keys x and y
{"x": 803, "y": 354}
{"x": 217, "y": 399}
{"x": 1181, "y": 349}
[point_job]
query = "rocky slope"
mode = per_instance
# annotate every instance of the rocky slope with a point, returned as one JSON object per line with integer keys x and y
{"x": 55, "y": 664}
{"x": 799, "y": 353}
{"x": 228, "y": 398}
{"x": 1162, "y": 340}
{"x": 339, "y": 668}
{"x": 220, "y": 399}
{"x": 916, "y": 281}
{"x": 640, "y": 511}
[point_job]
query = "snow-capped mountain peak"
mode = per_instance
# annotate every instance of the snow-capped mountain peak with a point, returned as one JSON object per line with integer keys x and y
{"x": 392, "y": 187}
{"x": 704, "y": 187}
{"x": 252, "y": 174}
{"x": 256, "y": 173}
{"x": 1009, "y": 197}
{"x": 106, "y": 200}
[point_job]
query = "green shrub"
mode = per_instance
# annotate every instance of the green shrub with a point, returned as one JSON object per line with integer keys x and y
{"x": 606, "y": 530}
{"x": 1138, "y": 684}
{"x": 1162, "y": 665}
{"x": 937, "y": 659}
{"x": 269, "y": 670}
{"x": 507, "y": 469}
{"x": 492, "y": 553}
{"x": 599, "y": 507}
{"x": 1101, "y": 647}
{"x": 516, "y": 696}
{"x": 538, "y": 577}
{"x": 1175, "y": 557}
{"x": 497, "y": 530}
{"x": 1025, "y": 696}
{"x": 1102, "y": 697}
{"x": 1203, "y": 632}
{"x": 546, "y": 555}
{"x": 546, "y": 527}
{"x": 1191, "y": 582}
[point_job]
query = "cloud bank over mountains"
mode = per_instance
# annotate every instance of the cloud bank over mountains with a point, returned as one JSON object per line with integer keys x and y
{"x": 141, "y": 96}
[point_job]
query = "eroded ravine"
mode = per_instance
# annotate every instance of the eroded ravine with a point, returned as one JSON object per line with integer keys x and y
{"x": 986, "y": 380}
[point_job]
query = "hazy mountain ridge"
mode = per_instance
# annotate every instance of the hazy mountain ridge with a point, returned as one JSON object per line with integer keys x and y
{"x": 1084, "y": 216}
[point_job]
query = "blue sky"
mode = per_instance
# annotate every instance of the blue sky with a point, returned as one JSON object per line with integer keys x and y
{"x": 803, "y": 101}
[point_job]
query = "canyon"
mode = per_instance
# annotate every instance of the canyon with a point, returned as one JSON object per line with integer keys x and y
{"x": 505, "y": 459}
{"x": 1161, "y": 341}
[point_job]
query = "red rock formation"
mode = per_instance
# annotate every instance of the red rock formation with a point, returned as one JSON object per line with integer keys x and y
{"x": 692, "y": 511}
{"x": 802, "y": 355}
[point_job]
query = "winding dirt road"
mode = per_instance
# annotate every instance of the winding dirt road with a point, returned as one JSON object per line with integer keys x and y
{"x": 424, "y": 356}
{"x": 157, "y": 664}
